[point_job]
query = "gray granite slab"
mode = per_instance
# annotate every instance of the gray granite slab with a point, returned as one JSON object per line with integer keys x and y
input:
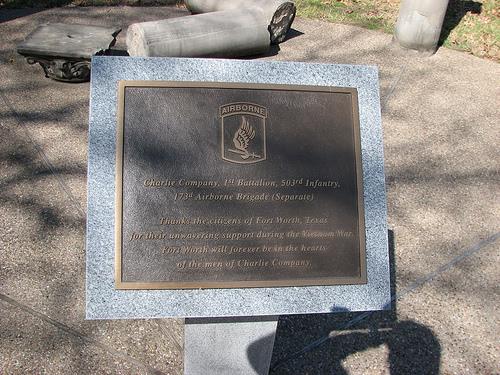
{"x": 104, "y": 302}
{"x": 206, "y": 349}
{"x": 68, "y": 40}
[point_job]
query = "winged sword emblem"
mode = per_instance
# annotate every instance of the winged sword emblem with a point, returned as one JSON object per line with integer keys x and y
{"x": 242, "y": 138}
{"x": 243, "y": 132}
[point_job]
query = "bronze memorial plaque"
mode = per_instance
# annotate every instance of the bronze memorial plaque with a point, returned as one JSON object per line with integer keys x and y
{"x": 225, "y": 185}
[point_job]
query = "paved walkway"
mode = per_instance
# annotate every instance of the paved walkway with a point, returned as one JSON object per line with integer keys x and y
{"x": 441, "y": 132}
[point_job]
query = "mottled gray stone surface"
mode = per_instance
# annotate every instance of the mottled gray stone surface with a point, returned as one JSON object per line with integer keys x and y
{"x": 67, "y": 40}
{"x": 104, "y": 302}
{"x": 227, "y": 346}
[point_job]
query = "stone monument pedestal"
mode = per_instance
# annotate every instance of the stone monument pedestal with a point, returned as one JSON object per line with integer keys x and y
{"x": 240, "y": 339}
{"x": 239, "y": 345}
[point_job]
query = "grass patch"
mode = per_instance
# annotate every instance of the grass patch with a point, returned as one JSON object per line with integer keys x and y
{"x": 473, "y": 27}
{"x": 372, "y": 14}
{"x": 470, "y": 26}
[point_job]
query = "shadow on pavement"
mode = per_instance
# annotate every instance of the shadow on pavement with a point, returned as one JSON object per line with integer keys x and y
{"x": 292, "y": 33}
{"x": 412, "y": 347}
{"x": 320, "y": 343}
{"x": 11, "y": 14}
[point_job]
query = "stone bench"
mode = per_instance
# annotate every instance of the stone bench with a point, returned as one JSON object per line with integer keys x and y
{"x": 64, "y": 50}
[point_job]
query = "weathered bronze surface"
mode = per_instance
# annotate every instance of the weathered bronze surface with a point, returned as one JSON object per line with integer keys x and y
{"x": 223, "y": 185}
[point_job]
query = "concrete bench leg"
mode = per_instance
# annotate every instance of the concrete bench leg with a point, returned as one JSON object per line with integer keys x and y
{"x": 229, "y": 346}
{"x": 419, "y": 24}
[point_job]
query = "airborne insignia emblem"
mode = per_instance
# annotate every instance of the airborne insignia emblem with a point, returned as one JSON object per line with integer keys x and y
{"x": 243, "y": 132}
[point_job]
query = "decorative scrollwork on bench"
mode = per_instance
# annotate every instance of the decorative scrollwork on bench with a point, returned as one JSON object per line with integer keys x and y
{"x": 63, "y": 70}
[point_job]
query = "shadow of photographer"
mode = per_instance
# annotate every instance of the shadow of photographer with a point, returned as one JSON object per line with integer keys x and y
{"x": 412, "y": 349}
{"x": 320, "y": 343}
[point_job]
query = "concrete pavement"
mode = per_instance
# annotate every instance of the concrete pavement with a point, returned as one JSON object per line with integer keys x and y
{"x": 440, "y": 119}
